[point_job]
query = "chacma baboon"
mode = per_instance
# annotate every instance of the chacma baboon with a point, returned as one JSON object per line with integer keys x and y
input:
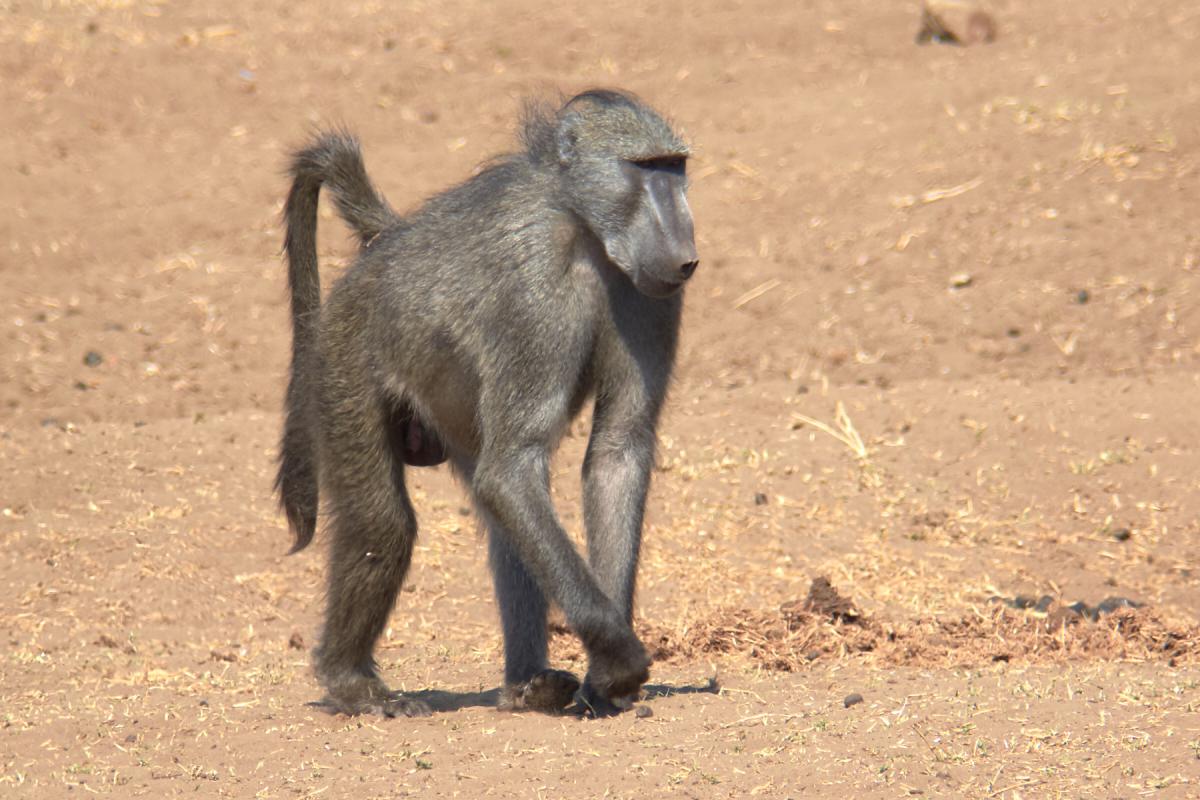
{"x": 474, "y": 329}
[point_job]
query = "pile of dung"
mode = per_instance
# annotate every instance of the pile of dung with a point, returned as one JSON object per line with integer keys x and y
{"x": 826, "y": 625}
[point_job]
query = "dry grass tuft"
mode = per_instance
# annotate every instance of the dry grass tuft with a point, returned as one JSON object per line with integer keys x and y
{"x": 845, "y": 432}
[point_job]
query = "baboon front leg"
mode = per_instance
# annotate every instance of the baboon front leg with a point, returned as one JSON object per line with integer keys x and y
{"x": 616, "y": 477}
{"x": 512, "y": 488}
{"x": 373, "y": 529}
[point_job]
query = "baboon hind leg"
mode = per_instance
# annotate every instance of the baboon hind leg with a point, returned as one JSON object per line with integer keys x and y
{"x": 529, "y": 683}
{"x": 373, "y": 529}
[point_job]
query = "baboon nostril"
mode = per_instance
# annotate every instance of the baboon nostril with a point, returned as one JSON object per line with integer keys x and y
{"x": 687, "y": 269}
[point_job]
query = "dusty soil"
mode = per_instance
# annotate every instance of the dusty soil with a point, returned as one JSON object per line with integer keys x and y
{"x": 942, "y": 349}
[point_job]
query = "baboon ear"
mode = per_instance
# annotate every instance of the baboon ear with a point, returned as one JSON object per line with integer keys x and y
{"x": 567, "y": 138}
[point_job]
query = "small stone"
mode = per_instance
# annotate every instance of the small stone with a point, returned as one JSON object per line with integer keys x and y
{"x": 296, "y": 641}
{"x": 961, "y": 280}
{"x": 1082, "y": 296}
{"x": 92, "y": 359}
{"x": 760, "y": 499}
{"x": 1122, "y": 534}
{"x": 931, "y": 519}
{"x": 960, "y": 22}
{"x": 643, "y": 712}
{"x": 852, "y": 699}
{"x": 224, "y": 654}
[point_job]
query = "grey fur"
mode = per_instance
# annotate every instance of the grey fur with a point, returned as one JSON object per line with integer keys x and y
{"x": 474, "y": 329}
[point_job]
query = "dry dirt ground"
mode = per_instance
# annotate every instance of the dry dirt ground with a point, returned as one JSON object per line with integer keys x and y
{"x": 943, "y": 348}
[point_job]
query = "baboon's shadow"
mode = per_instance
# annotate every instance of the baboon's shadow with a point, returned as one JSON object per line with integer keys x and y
{"x": 443, "y": 701}
{"x": 440, "y": 700}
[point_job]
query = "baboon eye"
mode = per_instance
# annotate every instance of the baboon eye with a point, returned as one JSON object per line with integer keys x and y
{"x": 667, "y": 163}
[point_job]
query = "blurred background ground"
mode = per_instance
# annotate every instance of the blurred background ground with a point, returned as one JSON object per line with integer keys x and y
{"x": 942, "y": 348}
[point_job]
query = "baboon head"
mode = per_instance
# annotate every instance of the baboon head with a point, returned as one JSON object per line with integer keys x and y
{"x": 623, "y": 173}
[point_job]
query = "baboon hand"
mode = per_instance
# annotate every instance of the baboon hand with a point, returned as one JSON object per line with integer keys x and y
{"x": 615, "y": 676}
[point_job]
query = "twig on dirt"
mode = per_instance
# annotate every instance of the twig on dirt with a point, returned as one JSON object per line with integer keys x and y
{"x": 1025, "y": 785}
{"x": 938, "y": 755}
{"x": 764, "y": 715}
{"x": 755, "y": 695}
{"x": 846, "y": 433}
{"x": 934, "y": 195}
{"x": 1066, "y": 345}
{"x": 757, "y": 292}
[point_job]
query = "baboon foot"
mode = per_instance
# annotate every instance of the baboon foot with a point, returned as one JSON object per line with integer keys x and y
{"x": 362, "y": 694}
{"x": 549, "y": 691}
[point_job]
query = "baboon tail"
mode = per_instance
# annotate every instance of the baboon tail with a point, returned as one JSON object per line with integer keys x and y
{"x": 334, "y": 160}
